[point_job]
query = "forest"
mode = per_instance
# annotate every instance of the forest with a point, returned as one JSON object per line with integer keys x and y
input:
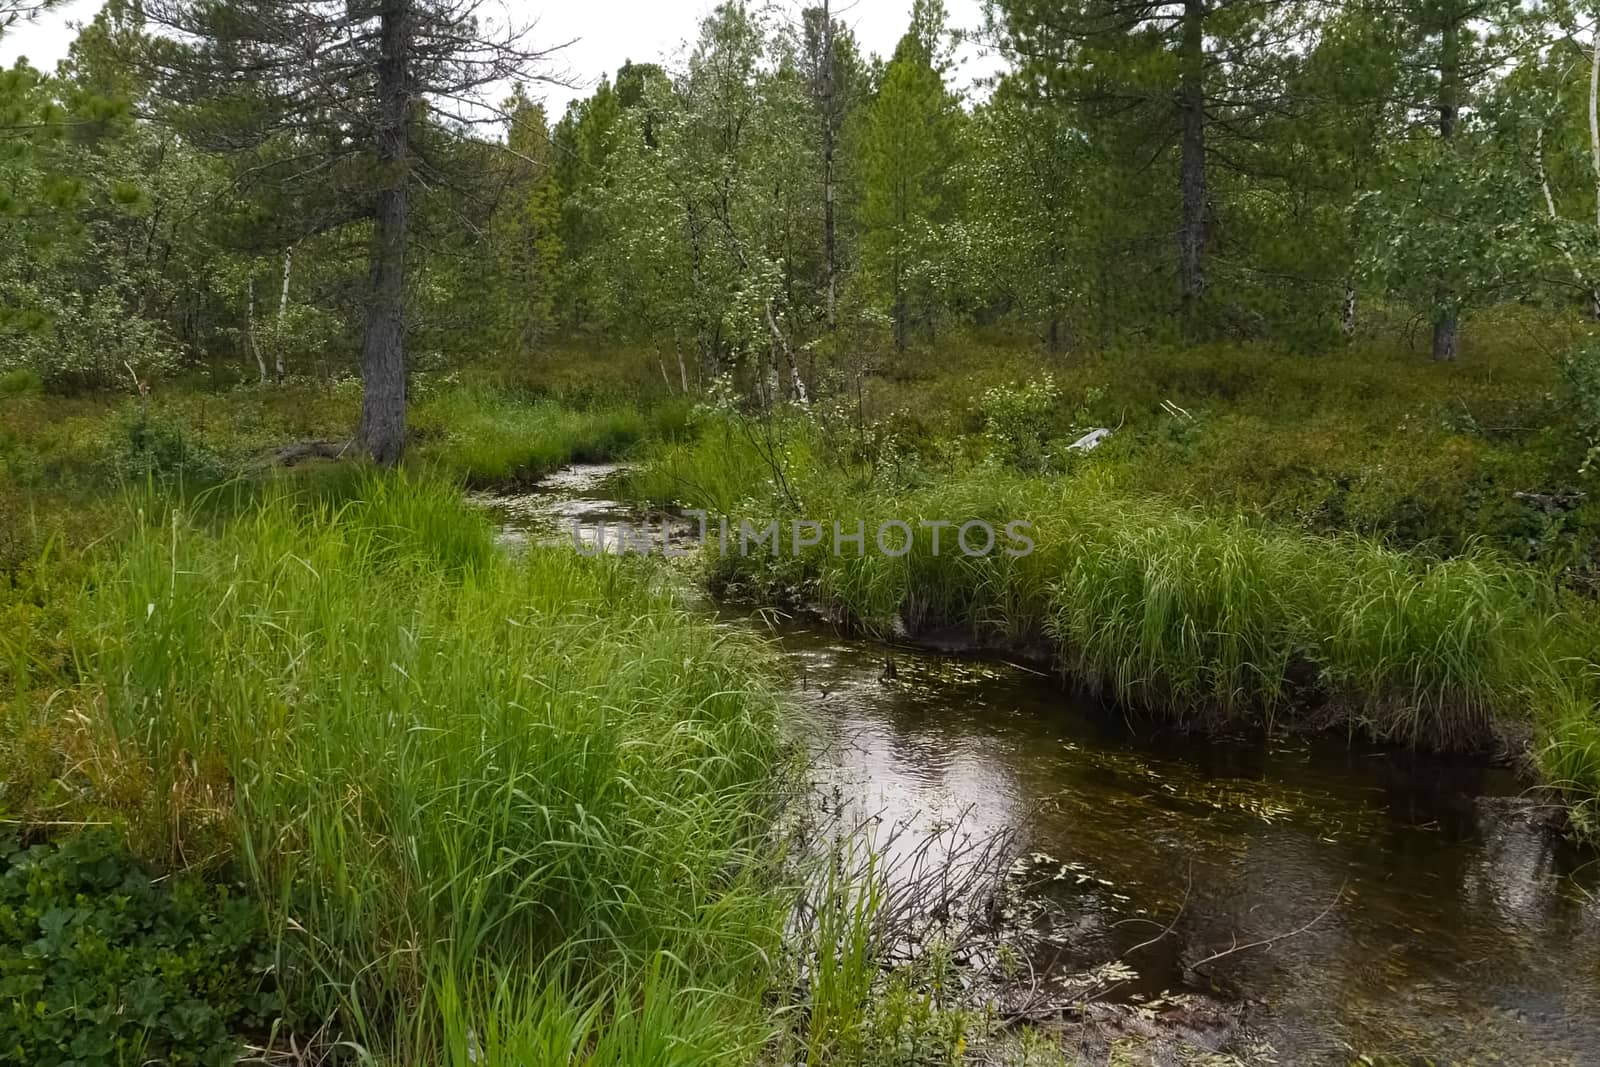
{"x": 1271, "y": 328}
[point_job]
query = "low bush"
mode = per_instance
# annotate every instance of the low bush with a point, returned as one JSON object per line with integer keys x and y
{"x": 100, "y": 964}
{"x": 20, "y": 381}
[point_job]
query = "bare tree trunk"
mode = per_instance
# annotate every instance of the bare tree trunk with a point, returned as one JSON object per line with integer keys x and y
{"x": 1445, "y": 316}
{"x": 1348, "y": 319}
{"x": 830, "y": 259}
{"x": 283, "y": 310}
{"x": 383, "y": 353}
{"x": 899, "y": 308}
{"x": 250, "y": 325}
{"x": 1192, "y": 169}
{"x": 1550, "y": 207}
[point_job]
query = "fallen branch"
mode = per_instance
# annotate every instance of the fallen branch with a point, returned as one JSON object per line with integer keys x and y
{"x": 289, "y": 455}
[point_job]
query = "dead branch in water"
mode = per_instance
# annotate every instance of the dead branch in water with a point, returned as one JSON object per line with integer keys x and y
{"x": 1267, "y": 942}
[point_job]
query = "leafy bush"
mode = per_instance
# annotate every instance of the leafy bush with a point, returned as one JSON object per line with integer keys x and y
{"x": 1017, "y": 421}
{"x": 1581, "y": 370}
{"x": 87, "y": 341}
{"x": 147, "y": 445}
{"x": 98, "y": 964}
{"x": 20, "y": 381}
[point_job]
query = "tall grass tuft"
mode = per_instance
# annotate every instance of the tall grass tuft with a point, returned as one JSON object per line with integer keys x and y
{"x": 489, "y": 437}
{"x": 491, "y": 802}
{"x": 1170, "y": 609}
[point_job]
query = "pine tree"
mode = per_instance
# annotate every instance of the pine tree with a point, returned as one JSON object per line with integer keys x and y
{"x": 1148, "y": 80}
{"x": 349, "y": 106}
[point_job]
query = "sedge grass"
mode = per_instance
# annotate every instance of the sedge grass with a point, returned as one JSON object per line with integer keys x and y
{"x": 447, "y": 772}
{"x": 491, "y": 437}
{"x": 1175, "y": 610}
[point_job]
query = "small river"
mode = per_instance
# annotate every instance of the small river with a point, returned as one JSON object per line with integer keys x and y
{"x": 1347, "y": 900}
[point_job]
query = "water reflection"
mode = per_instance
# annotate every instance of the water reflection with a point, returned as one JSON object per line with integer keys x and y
{"x": 1396, "y": 903}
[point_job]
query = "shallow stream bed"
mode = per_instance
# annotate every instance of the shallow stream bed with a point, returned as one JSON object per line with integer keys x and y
{"x": 1350, "y": 900}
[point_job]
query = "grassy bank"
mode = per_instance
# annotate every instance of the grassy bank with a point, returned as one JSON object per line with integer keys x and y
{"x": 1188, "y": 612}
{"x": 473, "y": 427}
{"x": 1370, "y": 439}
{"x": 524, "y": 801}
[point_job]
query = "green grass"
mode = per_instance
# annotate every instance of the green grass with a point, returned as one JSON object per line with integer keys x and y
{"x": 529, "y": 799}
{"x": 488, "y": 436}
{"x": 1373, "y": 439}
{"x": 1182, "y": 611}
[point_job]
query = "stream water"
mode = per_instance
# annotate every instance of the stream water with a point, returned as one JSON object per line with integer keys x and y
{"x": 1350, "y": 900}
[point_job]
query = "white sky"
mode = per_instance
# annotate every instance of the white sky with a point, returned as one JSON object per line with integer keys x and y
{"x": 607, "y": 32}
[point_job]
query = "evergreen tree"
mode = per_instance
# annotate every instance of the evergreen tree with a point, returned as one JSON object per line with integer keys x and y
{"x": 349, "y": 107}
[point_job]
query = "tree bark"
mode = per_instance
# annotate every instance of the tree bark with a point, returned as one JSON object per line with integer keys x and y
{"x": 383, "y": 351}
{"x": 283, "y": 310}
{"x": 1445, "y": 316}
{"x": 1348, "y": 319}
{"x": 899, "y": 308}
{"x": 1594, "y": 150}
{"x": 829, "y": 247}
{"x": 1594, "y": 118}
{"x": 250, "y": 325}
{"x": 1543, "y": 177}
{"x": 1192, "y": 169}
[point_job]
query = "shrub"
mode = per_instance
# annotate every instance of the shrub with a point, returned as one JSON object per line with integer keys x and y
{"x": 1017, "y": 421}
{"x": 20, "y": 381}
{"x": 87, "y": 340}
{"x": 145, "y": 444}
{"x": 100, "y": 964}
{"x": 1581, "y": 372}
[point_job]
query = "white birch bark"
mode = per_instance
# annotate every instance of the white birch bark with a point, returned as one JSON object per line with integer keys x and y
{"x": 283, "y": 309}
{"x": 250, "y": 325}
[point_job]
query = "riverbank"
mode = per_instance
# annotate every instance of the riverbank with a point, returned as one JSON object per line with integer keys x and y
{"x": 370, "y": 781}
{"x": 1303, "y": 897}
{"x": 1202, "y": 617}
{"x": 447, "y": 785}
{"x": 193, "y": 660}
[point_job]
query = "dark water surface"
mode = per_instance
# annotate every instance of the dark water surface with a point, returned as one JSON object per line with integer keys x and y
{"x": 1409, "y": 905}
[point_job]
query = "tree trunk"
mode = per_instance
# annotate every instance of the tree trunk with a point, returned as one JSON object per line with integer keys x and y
{"x": 830, "y": 259}
{"x": 1348, "y": 319}
{"x": 1192, "y": 169}
{"x": 1444, "y": 334}
{"x": 383, "y": 351}
{"x": 283, "y": 310}
{"x": 1445, "y": 315}
{"x": 250, "y": 325}
{"x": 899, "y": 308}
{"x": 1594, "y": 152}
{"x": 1594, "y": 119}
